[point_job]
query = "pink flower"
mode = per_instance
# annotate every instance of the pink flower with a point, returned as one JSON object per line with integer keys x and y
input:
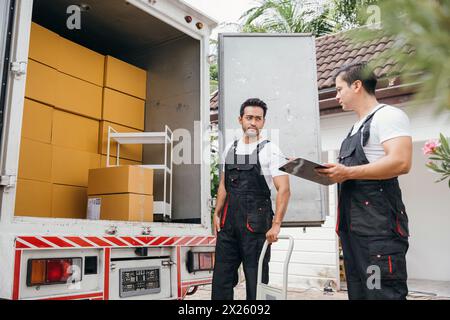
{"x": 430, "y": 146}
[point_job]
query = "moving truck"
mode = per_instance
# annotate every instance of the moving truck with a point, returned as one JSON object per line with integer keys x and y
{"x": 73, "y": 75}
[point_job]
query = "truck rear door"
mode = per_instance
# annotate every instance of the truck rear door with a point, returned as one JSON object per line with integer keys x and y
{"x": 14, "y": 39}
{"x": 281, "y": 70}
{"x": 5, "y": 41}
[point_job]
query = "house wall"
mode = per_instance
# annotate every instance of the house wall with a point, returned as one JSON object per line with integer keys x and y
{"x": 428, "y": 207}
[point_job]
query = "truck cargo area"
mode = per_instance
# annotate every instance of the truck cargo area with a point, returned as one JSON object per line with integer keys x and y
{"x": 172, "y": 61}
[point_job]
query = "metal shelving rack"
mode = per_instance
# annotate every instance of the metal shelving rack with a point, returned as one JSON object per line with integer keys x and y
{"x": 163, "y": 207}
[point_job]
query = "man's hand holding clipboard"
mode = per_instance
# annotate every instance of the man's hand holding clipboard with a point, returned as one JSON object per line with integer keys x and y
{"x": 307, "y": 170}
{"x": 336, "y": 172}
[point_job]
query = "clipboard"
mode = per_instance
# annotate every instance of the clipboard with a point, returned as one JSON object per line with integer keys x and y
{"x": 303, "y": 168}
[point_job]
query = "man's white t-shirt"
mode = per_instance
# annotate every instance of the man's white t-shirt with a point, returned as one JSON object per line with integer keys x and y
{"x": 388, "y": 123}
{"x": 270, "y": 158}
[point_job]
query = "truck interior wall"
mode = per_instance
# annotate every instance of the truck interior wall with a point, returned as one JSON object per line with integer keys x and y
{"x": 173, "y": 99}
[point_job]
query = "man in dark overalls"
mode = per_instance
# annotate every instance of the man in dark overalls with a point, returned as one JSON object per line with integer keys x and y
{"x": 372, "y": 222}
{"x": 243, "y": 217}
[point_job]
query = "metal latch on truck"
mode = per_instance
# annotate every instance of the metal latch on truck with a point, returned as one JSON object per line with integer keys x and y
{"x": 8, "y": 181}
{"x": 19, "y": 68}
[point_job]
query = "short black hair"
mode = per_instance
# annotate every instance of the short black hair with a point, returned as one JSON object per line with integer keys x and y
{"x": 254, "y": 102}
{"x": 358, "y": 71}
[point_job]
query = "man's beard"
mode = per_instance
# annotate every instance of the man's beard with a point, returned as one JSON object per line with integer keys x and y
{"x": 251, "y": 133}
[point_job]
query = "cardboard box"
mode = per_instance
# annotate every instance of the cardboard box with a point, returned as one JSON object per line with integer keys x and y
{"x": 33, "y": 198}
{"x": 120, "y": 179}
{"x": 76, "y": 132}
{"x": 126, "y": 78}
{"x": 35, "y": 160}
{"x": 127, "y": 151}
{"x": 80, "y": 62}
{"x": 123, "y": 109}
{"x": 113, "y": 162}
{"x": 41, "y": 83}
{"x": 44, "y": 45}
{"x": 69, "y": 202}
{"x": 121, "y": 207}
{"x": 37, "y": 121}
{"x": 71, "y": 167}
{"x": 78, "y": 96}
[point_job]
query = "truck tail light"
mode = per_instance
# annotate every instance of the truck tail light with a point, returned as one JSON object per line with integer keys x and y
{"x": 200, "y": 261}
{"x": 53, "y": 271}
{"x": 38, "y": 271}
{"x": 58, "y": 270}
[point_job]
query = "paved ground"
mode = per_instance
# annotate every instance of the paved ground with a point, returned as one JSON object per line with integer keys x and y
{"x": 419, "y": 290}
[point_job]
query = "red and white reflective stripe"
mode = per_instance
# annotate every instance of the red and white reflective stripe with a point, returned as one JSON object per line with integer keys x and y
{"x": 117, "y": 241}
{"x": 80, "y": 242}
{"x": 133, "y": 242}
{"x": 183, "y": 241}
{"x": 146, "y": 240}
{"x": 159, "y": 241}
{"x": 59, "y": 242}
{"x": 196, "y": 241}
{"x": 170, "y": 241}
{"x": 34, "y": 242}
{"x": 74, "y": 242}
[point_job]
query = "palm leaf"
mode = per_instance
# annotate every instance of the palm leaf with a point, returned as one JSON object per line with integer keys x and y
{"x": 285, "y": 16}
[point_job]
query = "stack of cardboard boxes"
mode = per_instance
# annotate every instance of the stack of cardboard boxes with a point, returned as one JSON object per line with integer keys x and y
{"x": 121, "y": 193}
{"x": 72, "y": 95}
{"x": 125, "y": 85}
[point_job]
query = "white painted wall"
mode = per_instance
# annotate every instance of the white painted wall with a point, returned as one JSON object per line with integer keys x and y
{"x": 428, "y": 208}
{"x": 315, "y": 257}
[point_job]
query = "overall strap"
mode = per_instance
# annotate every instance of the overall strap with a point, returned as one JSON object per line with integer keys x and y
{"x": 350, "y": 133}
{"x": 261, "y": 145}
{"x": 254, "y": 156}
{"x": 366, "y": 126}
{"x": 235, "y": 143}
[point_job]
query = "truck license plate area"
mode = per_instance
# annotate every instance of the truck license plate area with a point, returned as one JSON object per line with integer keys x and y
{"x": 139, "y": 281}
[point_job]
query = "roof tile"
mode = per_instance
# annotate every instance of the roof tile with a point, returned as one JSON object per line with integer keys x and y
{"x": 333, "y": 51}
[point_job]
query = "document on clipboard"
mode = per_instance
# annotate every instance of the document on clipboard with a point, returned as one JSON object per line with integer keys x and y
{"x": 305, "y": 169}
